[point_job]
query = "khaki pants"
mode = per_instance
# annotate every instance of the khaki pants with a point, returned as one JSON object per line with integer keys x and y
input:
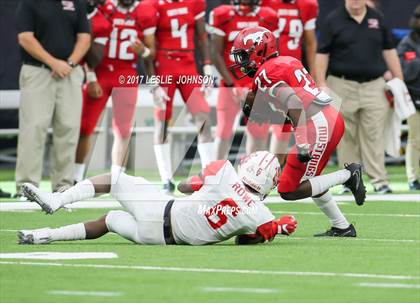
{"x": 44, "y": 102}
{"x": 412, "y": 156}
{"x": 364, "y": 108}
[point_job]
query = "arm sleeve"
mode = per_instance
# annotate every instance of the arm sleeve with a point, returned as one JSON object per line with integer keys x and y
{"x": 215, "y": 22}
{"x": 211, "y": 169}
{"x": 309, "y": 13}
{"x": 83, "y": 25}
{"x": 199, "y": 9}
{"x": 147, "y": 18}
{"x": 268, "y": 231}
{"x": 270, "y": 19}
{"x": 25, "y": 17}
{"x": 326, "y": 37}
{"x": 387, "y": 39}
{"x": 410, "y": 61}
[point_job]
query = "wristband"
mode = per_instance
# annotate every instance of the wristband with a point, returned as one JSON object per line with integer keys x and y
{"x": 91, "y": 77}
{"x": 146, "y": 52}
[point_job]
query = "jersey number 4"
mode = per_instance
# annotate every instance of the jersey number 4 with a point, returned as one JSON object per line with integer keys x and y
{"x": 125, "y": 37}
{"x": 179, "y": 31}
{"x": 217, "y": 215}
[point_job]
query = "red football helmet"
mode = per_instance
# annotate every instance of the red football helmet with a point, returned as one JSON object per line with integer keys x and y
{"x": 251, "y": 48}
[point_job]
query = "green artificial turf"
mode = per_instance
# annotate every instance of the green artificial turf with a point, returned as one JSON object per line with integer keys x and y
{"x": 299, "y": 268}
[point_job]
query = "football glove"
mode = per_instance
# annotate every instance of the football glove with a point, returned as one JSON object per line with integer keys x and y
{"x": 208, "y": 84}
{"x": 303, "y": 153}
{"x": 160, "y": 97}
{"x": 286, "y": 225}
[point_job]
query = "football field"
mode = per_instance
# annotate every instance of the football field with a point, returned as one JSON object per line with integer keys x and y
{"x": 381, "y": 265}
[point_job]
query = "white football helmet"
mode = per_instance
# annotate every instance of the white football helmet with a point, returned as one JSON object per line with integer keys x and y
{"x": 260, "y": 171}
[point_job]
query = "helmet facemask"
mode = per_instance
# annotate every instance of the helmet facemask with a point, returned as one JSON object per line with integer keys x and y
{"x": 244, "y": 63}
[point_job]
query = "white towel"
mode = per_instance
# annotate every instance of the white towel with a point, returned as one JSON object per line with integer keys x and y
{"x": 403, "y": 108}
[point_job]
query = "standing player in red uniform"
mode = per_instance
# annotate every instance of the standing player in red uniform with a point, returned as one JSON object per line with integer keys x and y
{"x": 178, "y": 22}
{"x": 131, "y": 25}
{"x": 226, "y": 22}
{"x": 296, "y": 27}
{"x": 283, "y": 88}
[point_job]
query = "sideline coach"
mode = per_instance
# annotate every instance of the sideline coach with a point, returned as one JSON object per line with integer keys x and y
{"x": 357, "y": 48}
{"x": 54, "y": 36}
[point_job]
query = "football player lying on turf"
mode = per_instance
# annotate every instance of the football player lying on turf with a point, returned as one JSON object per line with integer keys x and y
{"x": 283, "y": 88}
{"x": 225, "y": 204}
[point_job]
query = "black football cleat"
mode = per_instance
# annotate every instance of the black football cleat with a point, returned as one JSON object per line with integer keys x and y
{"x": 355, "y": 183}
{"x": 338, "y": 232}
{"x": 168, "y": 187}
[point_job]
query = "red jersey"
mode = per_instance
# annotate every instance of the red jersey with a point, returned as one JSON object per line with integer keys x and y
{"x": 293, "y": 18}
{"x": 176, "y": 23}
{"x": 290, "y": 71}
{"x": 127, "y": 25}
{"x": 226, "y": 21}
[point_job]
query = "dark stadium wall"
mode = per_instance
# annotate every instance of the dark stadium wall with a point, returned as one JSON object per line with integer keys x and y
{"x": 9, "y": 50}
{"x": 397, "y": 13}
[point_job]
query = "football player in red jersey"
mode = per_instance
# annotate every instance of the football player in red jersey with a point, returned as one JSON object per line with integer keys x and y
{"x": 178, "y": 22}
{"x": 282, "y": 88}
{"x": 132, "y": 35}
{"x": 296, "y": 26}
{"x": 226, "y": 22}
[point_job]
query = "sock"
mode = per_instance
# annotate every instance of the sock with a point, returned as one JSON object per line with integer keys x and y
{"x": 320, "y": 184}
{"x": 79, "y": 171}
{"x": 80, "y": 191}
{"x": 328, "y": 206}
{"x": 69, "y": 232}
{"x": 116, "y": 170}
{"x": 206, "y": 152}
{"x": 164, "y": 163}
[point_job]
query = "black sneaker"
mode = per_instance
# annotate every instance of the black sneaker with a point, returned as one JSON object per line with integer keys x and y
{"x": 355, "y": 183}
{"x": 338, "y": 232}
{"x": 383, "y": 189}
{"x": 168, "y": 187}
{"x": 415, "y": 185}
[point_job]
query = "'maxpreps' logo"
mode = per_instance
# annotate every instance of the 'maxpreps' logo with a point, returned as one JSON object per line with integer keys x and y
{"x": 255, "y": 37}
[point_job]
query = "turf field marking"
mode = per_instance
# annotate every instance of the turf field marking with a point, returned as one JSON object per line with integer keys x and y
{"x": 111, "y": 203}
{"x": 218, "y": 270}
{"x": 348, "y": 214}
{"x": 389, "y": 285}
{"x": 240, "y": 290}
{"x": 59, "y": 255}
{"x": 355, "y": 239}
{"x": 85, "y": 293}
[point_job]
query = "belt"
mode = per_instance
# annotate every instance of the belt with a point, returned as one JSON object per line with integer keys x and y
{"x": 37, "y": 64}
{"x": 167, "y": 227}
{"x": 355, "y": 78}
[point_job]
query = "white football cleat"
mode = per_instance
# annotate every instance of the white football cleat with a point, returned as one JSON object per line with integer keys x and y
{"x": 36, "y": 236}
{"x": 47, "y": 201}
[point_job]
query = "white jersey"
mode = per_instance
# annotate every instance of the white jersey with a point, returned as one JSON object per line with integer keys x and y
{"x": 221, "y": 209}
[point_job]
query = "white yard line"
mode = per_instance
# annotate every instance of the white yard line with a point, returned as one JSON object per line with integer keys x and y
{"x": 109, "y": 204}
{"x": 84, "y": 293}
{"x": 240, "y": 290}
{"x": 355, "y": 239}
{"x": 59, "y": 255}
{"x": 388, "y": 285}
{"x": 301, "y": 238}
{"x": 348, "y": 214}
{"x": 218, "y": 270}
